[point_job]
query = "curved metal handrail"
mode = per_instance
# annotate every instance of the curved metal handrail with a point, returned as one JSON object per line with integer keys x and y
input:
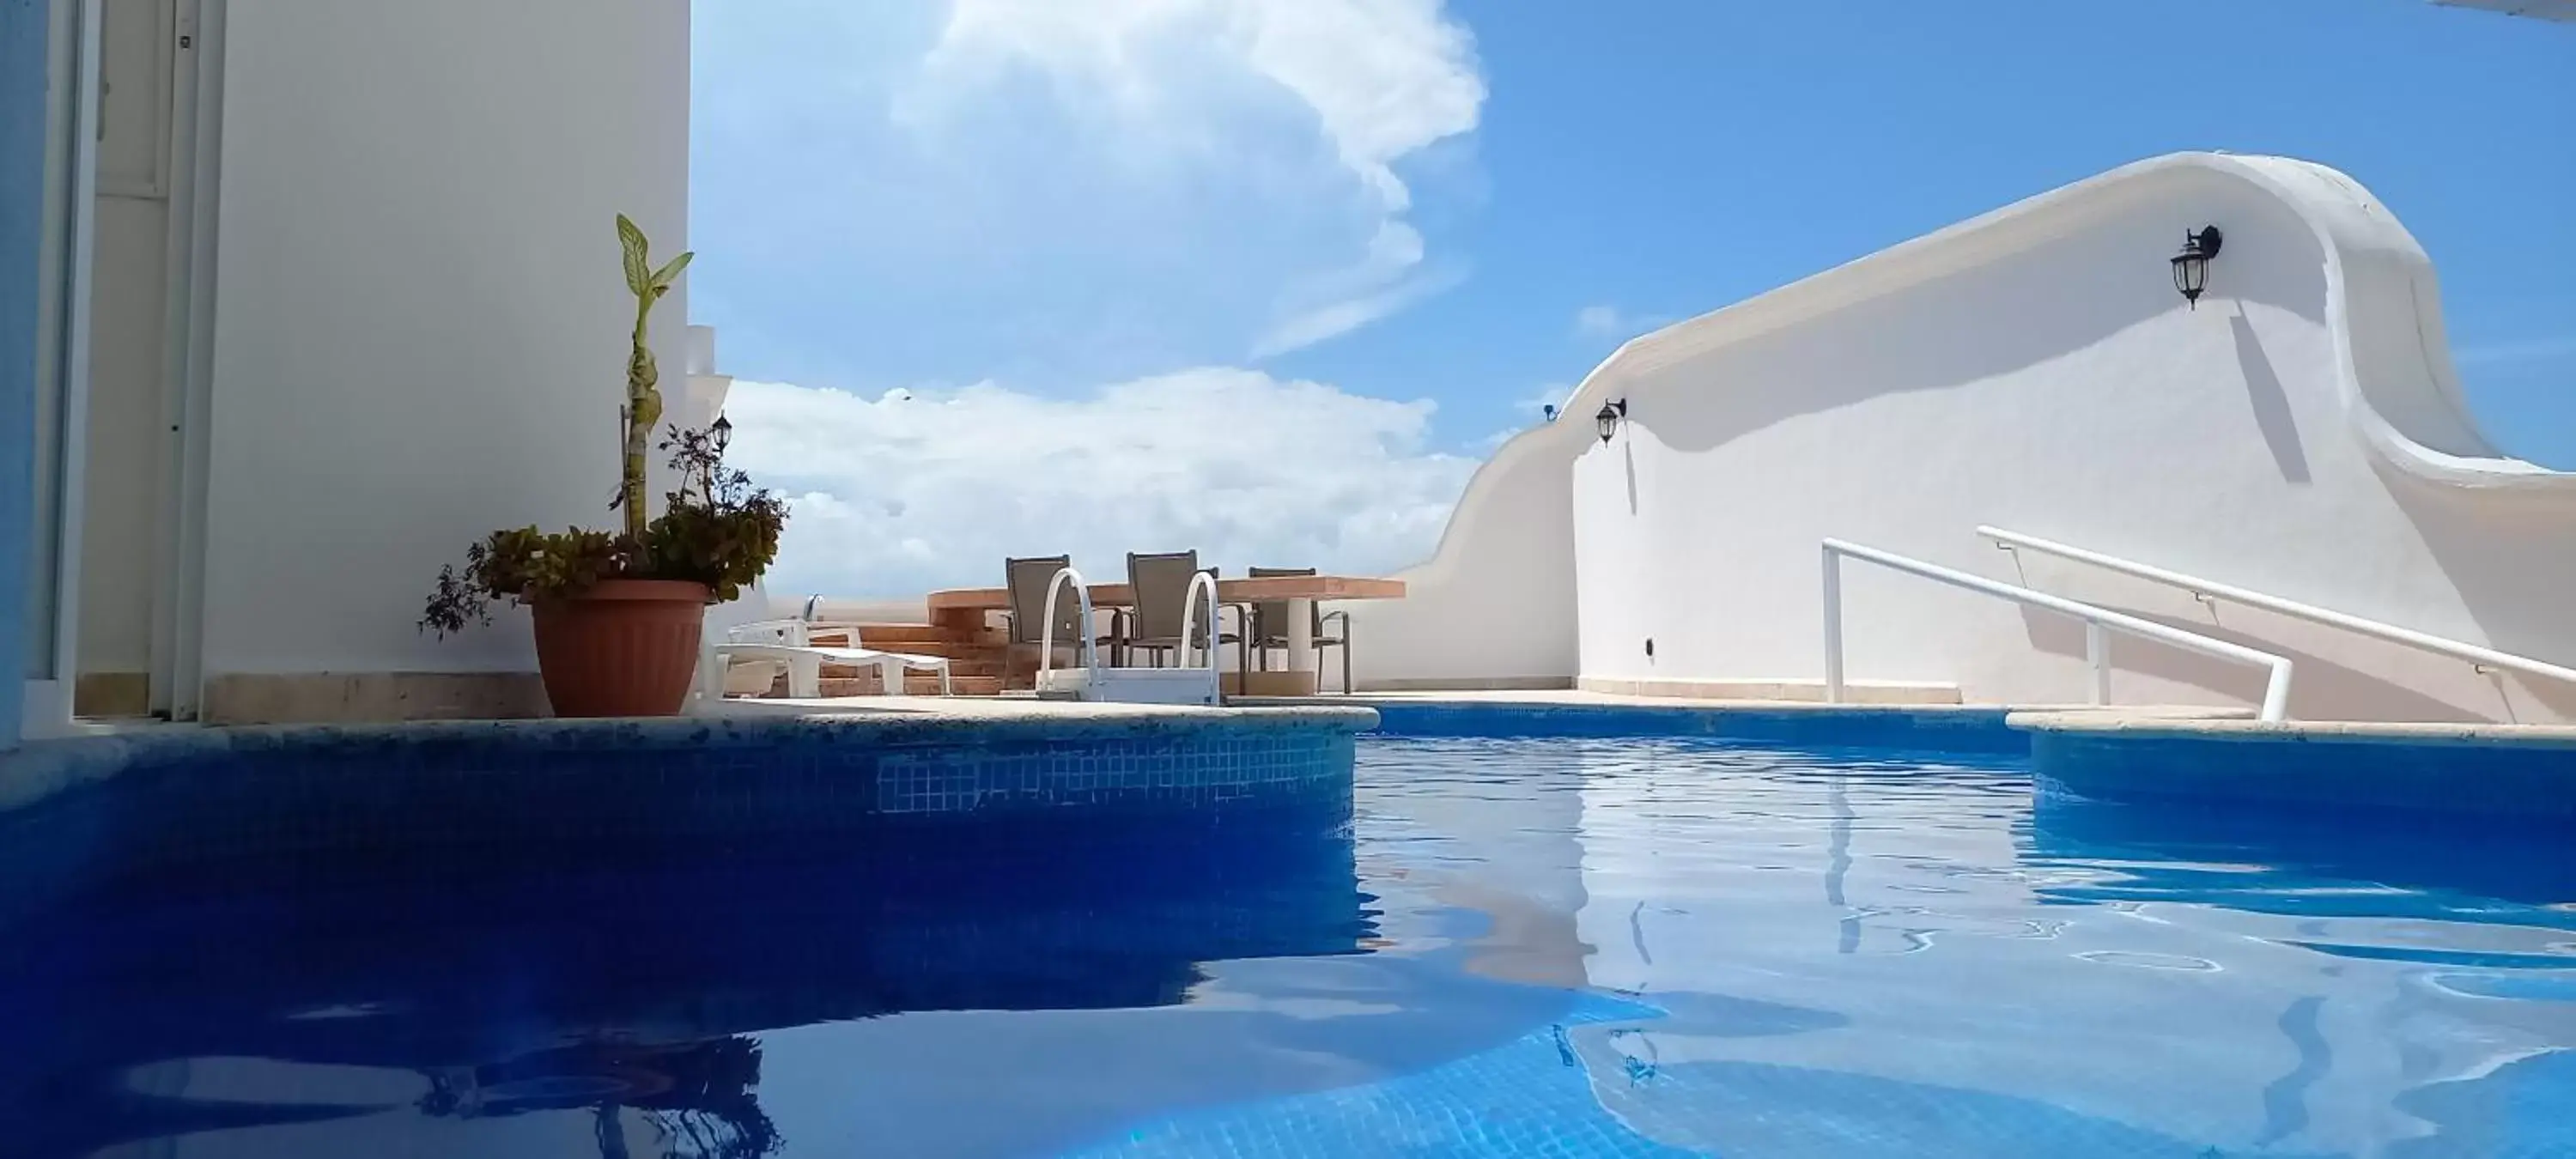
{"x": 1189, "y": 609}
{"x": 1087, "y": 648}
{"x": 2276, "y": 691}
{"x": 2482, "y": 657}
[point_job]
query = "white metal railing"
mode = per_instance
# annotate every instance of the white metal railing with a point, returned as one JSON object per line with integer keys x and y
{"x": 1086, "y": 648}
{"x": 2098, "y": 624}
{"x": 1190, "y": 606}
{"x": 2482, "y": 657}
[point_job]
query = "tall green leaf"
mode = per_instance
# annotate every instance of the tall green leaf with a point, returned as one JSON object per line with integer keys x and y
{"x": 662, "y": 278}
{"x": 639, "y": 279}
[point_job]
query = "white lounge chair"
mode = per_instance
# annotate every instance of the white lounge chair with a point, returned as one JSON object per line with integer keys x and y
{"x": 787, "y": 642}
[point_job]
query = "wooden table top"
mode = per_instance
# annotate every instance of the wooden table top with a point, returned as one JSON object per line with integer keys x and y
{"x": 1232, "y": 591}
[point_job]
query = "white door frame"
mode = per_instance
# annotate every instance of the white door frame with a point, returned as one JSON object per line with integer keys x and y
{"x": 179, "y": 555}
{"x": 49, "y": 686}
{"x": 193, "y": 173}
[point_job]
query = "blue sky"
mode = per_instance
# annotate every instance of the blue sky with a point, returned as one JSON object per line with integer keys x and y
{"x": 1367, "y": 235}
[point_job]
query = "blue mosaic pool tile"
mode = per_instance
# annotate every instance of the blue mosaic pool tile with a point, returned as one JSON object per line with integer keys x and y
{"x": 1913, "y": 729}
{"x": 1563, "y": 1090}
{"x": 73, "y": 809}
{"x": 1530, "y": 1097}
{"x": 2528, "y": 782}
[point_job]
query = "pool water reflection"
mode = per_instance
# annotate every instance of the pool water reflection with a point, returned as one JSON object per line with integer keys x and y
{"x": 1535, "y": 946}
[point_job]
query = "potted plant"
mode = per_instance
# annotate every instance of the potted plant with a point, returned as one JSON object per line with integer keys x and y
{"x": 619, "y": 614}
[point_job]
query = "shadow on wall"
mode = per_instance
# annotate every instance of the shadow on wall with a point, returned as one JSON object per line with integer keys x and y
{"x": 1999, "y": 319}
{"x": 2511, "y": 558}
{"x": 2317, "y": 682}
{"x": 2272, "y": 414}
{"x": 1628, "y": 458}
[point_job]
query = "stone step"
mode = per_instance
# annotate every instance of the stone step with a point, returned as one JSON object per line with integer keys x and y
{"x": 902, "y": 637}
{"x": 962, "y": 654}
{"x": 914, "y": 684}
{"x": 923, "y": 638}
{"x": 960, "y": 668}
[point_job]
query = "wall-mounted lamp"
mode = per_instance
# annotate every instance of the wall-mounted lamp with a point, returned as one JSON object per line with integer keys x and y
{"x": 2191, "y": 266}
{"x": 724, "y": 433}
{"x": 1607, "y": 422}
{"x": 1550, "y": 411}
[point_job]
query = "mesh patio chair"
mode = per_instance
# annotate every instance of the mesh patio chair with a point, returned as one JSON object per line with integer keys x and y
{"x": 1161, "y": 583}
{"x": 1027, "y": 580}
{"x": 1268, "y": 626}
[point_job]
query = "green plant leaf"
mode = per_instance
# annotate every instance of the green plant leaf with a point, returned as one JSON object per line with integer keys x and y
{"x": 638, "y": 265}
{"x": 666, "y": 275}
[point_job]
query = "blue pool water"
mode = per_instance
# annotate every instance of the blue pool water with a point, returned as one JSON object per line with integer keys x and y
{"x": 1567, "y": 946}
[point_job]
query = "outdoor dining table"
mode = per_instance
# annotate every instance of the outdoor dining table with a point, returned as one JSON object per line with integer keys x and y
{"x": 1302, "y": 593}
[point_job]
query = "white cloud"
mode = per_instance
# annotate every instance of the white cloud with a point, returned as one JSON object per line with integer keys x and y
{"x": 1384, "y": 77}
{"x": 1611, "y": 322}
{"x": 1166, "y": 87}
{"x": 1528, "y": 412}
{"x": 919, "y": 490}
{"x": 1600, "y": 322}
{"x": 1335, "y": 319}
{"x": 1551, "y": 394}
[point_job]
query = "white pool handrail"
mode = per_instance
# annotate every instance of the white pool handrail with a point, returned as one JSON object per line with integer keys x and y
{"x": 2482, "y": 657}
{"x": 1190, "y": 606}
{"x": 1087, "y": 648}
{"x": 2098, "y": 622}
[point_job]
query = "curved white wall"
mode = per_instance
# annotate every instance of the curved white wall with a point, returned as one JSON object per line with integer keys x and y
{"x": 1494, "y": 607}
{"x": 421, "y": 328}
{"x": 2301, "y": 433}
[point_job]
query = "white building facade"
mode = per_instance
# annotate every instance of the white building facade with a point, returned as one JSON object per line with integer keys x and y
{"x": 2299, "y": 431}
{"x": 335, "y": 291}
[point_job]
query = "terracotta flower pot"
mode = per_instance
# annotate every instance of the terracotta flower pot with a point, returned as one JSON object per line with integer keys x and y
{"x": 623, "y": 648}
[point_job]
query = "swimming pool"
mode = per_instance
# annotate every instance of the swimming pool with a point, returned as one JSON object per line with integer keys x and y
{"x": 1531, "y": 945}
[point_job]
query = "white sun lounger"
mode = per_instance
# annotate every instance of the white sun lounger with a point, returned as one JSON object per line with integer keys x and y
{"x": 786, "y": 642}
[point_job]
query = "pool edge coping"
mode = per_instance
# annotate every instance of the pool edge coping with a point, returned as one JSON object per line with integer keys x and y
{"x": 42, "y": 769}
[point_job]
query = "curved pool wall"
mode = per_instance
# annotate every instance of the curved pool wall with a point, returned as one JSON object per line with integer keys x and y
{"x": 2523, "y": 774}
{"x": 1919, "y": 728}
{"x": 97, "y": 810}
{"x": 2526, "y": 773}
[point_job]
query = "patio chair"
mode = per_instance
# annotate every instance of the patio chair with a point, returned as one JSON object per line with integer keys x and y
{"x": 1025, "y": 629}
{"x": 1268, "y": 628}
{"x": 785, "y": 642}
{"x": 1161, "y": 583}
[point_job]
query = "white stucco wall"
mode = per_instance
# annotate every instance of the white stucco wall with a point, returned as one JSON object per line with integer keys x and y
{"x": 2301, "y": 433}
{"x": 1494, "y": 605}
{"x": 421, "y": 323}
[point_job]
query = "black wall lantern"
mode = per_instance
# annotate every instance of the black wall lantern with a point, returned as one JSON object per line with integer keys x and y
{"x": 1607, "y": 422}
{"x": 2191, "y": 266}
{"x": 723, "y": 431}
